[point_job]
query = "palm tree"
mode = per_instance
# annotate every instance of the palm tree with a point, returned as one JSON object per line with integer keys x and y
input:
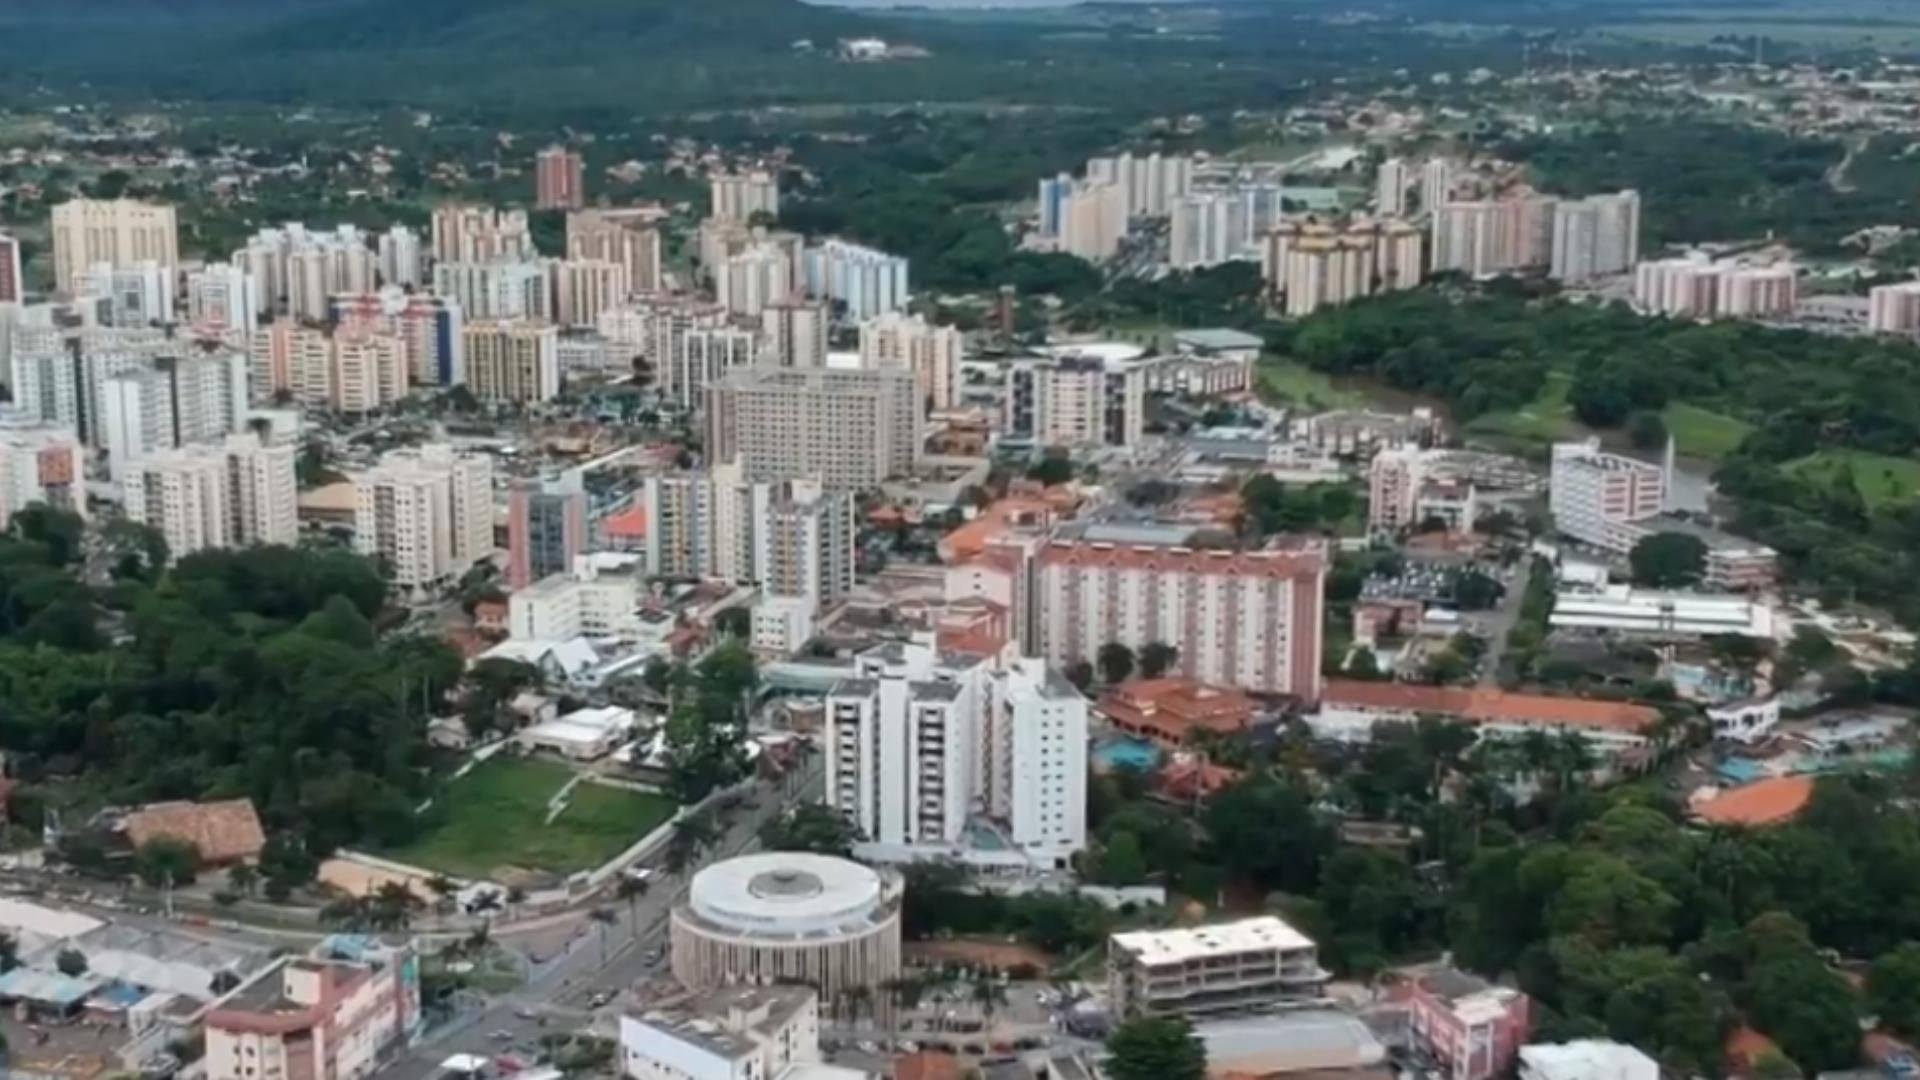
{"x": 603, "y": 917}
{"x": 243, "y": 878}
{"x": 442, "y": 887}
{"x": 631, "y": 889}
{"x": 856, "y": 999}
{"x": 691, "y": 835}
{"x": 988, "y": 993}
{"x": 392, "y": 906}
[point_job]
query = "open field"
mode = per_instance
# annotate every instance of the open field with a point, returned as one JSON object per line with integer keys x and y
{"x": 1291, "y": 383}
{"x": 492, "y": 822}
{"x": 1881, "y": 479}
{"x": 1703, "y": 433}
{"x": 1547, "y": 419}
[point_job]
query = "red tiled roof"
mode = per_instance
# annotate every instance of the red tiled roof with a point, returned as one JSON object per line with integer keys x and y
{"x": 926, "y": 1065}
{"x": 1764, "y": 802}
{"x": 1482, "y": 706}
{"x": 1172, "y": 708}
{"x": 1303, "y": 556}
{"x": 628, "y": 524}
{"x": 223, "y": 831}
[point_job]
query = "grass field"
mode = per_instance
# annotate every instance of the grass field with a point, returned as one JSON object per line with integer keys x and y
{"x": 1881, "y": 479}
{"x": 492, "y": 821}
{"x": 1703, "y": 433}
{"x": 1290, "y": 383}
{"x": 1547, "y": 419}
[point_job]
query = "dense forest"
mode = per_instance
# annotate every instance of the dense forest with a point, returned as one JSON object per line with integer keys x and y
{"x": 249, "y": 673}
{"x": 1823, "y": 477}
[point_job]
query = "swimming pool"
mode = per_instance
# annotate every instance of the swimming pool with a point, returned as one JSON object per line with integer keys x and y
{"x": 1125, "y": 753}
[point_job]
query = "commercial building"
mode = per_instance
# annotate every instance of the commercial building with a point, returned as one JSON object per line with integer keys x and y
{"x": 978, "y": 739}
{"x": 1249, "y": 964}
{"x": 546, "y": 527}
{"x": 850, "y": 429}
{"x": 1484, "y": 238}
{"x": 629, "y": 237}
{"x": 1586, "y": 1059}
{"x": 1391, "y": 183}
{"x": 1242, "y": 619}
{"x": 739, "y": 196}
{"x": 1078, "y": 395}
{"x": 40, "y": 462}
{"x": 861, "y": 282}
{"x": 1350, "y": 710}
{"x": 1595, "y": 237}
{"x": 427, "y": 511}
{"x": 740, "y": 1033}
{"x": 559, "y": 180}
{"x": 911, "y": 343}
{"x": 789, "y": 917}
{"x": 230, "y": 495}
{"x": 332, "y": 1015}
{"x": 795, "y": 332}
{"x": 1471, "y": 1028}
{"x": 430, "y": 325}
{"x": 122, "y": 233}
{"x": 1600, "y": 498}
{"x": 512, "y": 361}
{"x": 464, "y": 233}
{"x": 1620, "y": 609}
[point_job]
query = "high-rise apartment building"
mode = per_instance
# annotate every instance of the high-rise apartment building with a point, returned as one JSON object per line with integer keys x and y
{"x": 297, "y": 271}
{"x": 427, "y": 512}
{"x": 739, "y": 196}
{"x": 512, "y": 361}
{"x": 851, "y": 429}
{"x": 1391, "y": 183}
{"x": 860, "y": 281}
{"x": 40, "y": 462}
{"x": 1246, "y": 619}
{"x": 231, "y": 494}
{"x": 1600, "y": 498}
{"x": 793, "y": 538}
{"x": 1150, "y": 183}
{"x": 174, "y": 401}
{"x": 911, "y": 343}
{"x": 560, "y": 181}
{"x": 546, "y": 527}
{"x": 746, "y": 282}
{"x": 1207, "y": 228}
{"x": 1308, "y": 265}
{"x": 1595, "y": 236}
{"x": 1436, "y": 184}
{"x": 1053, "y": 197}
{"x": 430, "y": 325}
{"x": 223, "y": 297}
{"x": 1894, "y": 309}
{"x": 960, "y": 736}
{"x": 13, "y": 282}
{"x": 128, "y": 296}
{"x": 402, "y": 258}
{"x": 463, "y": 233}
{"x": 1490, "y": 237}
{"x": 496, "y": 290}
{"x": 1093, "y": 221}
{"x": 1077, "y": 399}
{"x": 795, "y": 332}
{"x": 122, "y": 233}
{"x": 1394, "y": 479}
{"x": 630, "y": 237}
{"x": 59, "y": 366}
{"x": 583, "y": 288}
{"x": 1694, "y": 286}
{"x": 355, "y": 369}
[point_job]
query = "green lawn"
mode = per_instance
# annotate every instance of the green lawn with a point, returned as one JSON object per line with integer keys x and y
{"x": 1291, "y": 383}
{"x": 1547, "y": 419}
{"x": 1703, "y": 433}
{"x": 492, "y": 821}
{"x": 1881, "y": 479}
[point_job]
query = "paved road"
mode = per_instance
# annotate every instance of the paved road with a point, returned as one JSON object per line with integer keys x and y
{"x": 557, "y": 993}
{"x": 1504, "y": 619}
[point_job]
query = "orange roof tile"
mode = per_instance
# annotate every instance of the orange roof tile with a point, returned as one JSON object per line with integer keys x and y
{"x": 223, "y": 831}
{"x": 1744, "y": 1046}
{"x": 926, "y": 1065}
{"x": 1171, "y": 709}
{"x": 970, "y": 539}
{"x": 1304, "y": 555}
{"x": 630, "y": 524}
{"x": 1764, "y": 802}
{"x": 1482, "y": 706}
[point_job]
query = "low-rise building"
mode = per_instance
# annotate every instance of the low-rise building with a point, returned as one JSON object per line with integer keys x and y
{"x": 742, "y": 1033}
{"x": 1170, "y": 711}
{"x": 327, "y": 1016}
{"x": 223, "y": 833}
{"x": 1349, "y": 711}
{"x": 1622, "y": 609}
{"x": 1248, "y": 964}
{"x": 1472, "y": 1028}
{"x": 1586, "y": 1059}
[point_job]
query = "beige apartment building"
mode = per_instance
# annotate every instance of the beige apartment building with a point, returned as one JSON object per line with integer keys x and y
{"x": 512, "y": 361}
{"x": 850, "y": 429}
{"x": 120, "y": 232}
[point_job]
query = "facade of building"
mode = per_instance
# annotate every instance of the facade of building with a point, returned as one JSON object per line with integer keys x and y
{"x": 1436, "y": 184}
{"x": 223, "y": 297}
{"x": 1485, "y": 238}
{"x": 794, "y": 538}
{"x": 428, "y": 512}
{"x": 747, "y": 281}
{"x": 464, "y": 233}
{"x": 1694, "y": 286}
{"x": 1078, "y": 397}
{"x": 215, "y": 496}
{"x": 502, "y": 289}
{"x": 177, "y": 401}
{"x": 1223, "y": 967}
{"x": 546, "y": 527}
{"x": 860, "y": 281}
{"x": 1150, "y": 182}
{"x": 122, "y": 233}
{"x": 402, "y": 258}
{"x": 788, "y": 917}
{"x": 743, "y": 1033}
{"x": 1391, "y": 183}
{"x": 512, "y": 361}
{"x": 40, "y": 462}
{"x": 795, "y": 332}
{"x": 582, "y": 602}
{"x": 911, "y": 343}
{"x": 61, "y": 368}
{"x": 1242, "y": 619}
{"x": 583, "y": 288}
{"x": 332, "y": 1015}
{"x": 1894, "y": 309}
{"x": 1595, "y": 237}
{"x": 299, "y": 271}
{"x": 979, "y": 737}
{"x": 430, "y": 325}
{"x": 559, "y": 180}
{"x": 1472, "y": 1028}
{"x": 628, "y": 237}
{"x": 850, "y": 429}
{"x": 1599, "y": 498}
{"x": 13, "y": 283}
{"x": 1308, "y": 266}
{"x": 1093, "y": 221}
{"x": 127, "y": 296}
{"x": 739, "y": 196}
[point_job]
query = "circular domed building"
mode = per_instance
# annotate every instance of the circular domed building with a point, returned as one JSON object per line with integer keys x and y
{"x": 789, "y": 916}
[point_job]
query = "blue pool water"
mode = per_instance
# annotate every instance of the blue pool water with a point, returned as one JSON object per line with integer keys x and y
{"x": 1126, "y": 754}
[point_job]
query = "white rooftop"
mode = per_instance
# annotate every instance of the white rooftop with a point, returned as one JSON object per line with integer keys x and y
{"x": 24, "y": 917}
{"x": 1587, "y": 1059}
{"x": 786, "y": 892}
{"x": 1259, "y": 934}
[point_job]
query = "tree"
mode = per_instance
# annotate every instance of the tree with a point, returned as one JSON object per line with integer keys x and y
{"x": 71, "y": 963}
{"x": 1264, "y": 831}
{"x": 734, "y": 622}
{"x": 166, "y": 862}
{"x": 1053, "y": 468}
{"x": 1157, "y": 658}
{"x": 1156, "y": 1048}
{"x": 1119, "y": 861}
{"x": 691, "y": 835}
{"x": 1116, "y": 662}
{"x": 1647, "y": 429}
{"x": 1475, "y": 591}
{"x": 631, "y": 888}
{"x": 1668, "y": 560}
{"x": 814, "y": 827}
{"x": 602, "y": 918}
{"x": 1893, "y": 989}
{"x": 243, "y": 878}
{"x": 1080, "y": 674}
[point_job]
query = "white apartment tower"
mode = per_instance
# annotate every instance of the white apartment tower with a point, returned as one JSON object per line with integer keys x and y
{"x": 236, "y": 493}
{"x": 911, "y": 343}
{"x": 795, "y": 331}
{"x": 739, "y": 196}
{"x": 427, "y": 512}
{"x": 628, "y": 237}
{"x": 122, "y": 233}
{"x": 1595, "y": 236}
{"x": 512, "y": 361}
{"x": 223, "y": 297}
{"x": 1390, "y": 186}
{"x": 481, "y": 234}
{"x": 1894, "y": 309}
{"x": 40, "y": 462}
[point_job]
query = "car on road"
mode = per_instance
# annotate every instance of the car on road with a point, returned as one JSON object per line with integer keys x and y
{"x": 524, "y": 1012}
{"x": 501, "y": 1035}
{"x": 599, "y": 998}
{"x": 867, "y": 1047}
